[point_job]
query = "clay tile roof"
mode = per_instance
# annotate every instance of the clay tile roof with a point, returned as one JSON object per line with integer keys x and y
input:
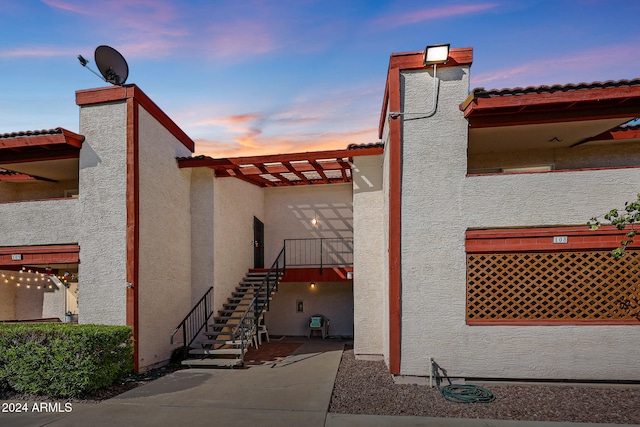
{"x": 628, "y": 127}
{"x": 482, "y": 93}
{"x": 547, "y": 104}
{"x": 365, "y": 145}
{"x": 32, "y": 133}
{"x": 45, "y": 144}
{"x": 200, "y": 157}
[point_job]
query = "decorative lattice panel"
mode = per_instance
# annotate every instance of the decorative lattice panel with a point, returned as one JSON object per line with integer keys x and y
{"x": 563, "y": 286}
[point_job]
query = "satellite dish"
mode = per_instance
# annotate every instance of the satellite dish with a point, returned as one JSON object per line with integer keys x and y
{"x": 112, "y": 65}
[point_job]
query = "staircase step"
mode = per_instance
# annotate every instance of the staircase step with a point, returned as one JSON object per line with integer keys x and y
{"x": 241, "y": 304}
{"x": 220, "y": 319}
{"x": 241, "y": 294}
{"x": 248, "y": 297}
{"x": 206, "y": 351}
{"x": 211, "y": 362}
{"x": 218, "y": 334}
{"x": 222, "y": 325}
{"x": 226, "y": 342}
{"x": 218, "y": 348}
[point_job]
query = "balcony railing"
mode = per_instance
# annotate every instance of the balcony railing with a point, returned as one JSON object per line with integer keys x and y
{"x": 323, "y": 252}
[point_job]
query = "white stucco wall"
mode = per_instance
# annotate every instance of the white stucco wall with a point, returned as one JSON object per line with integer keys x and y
{"x": 8, "y": 192}
{"x": 369, "y": 256}
{"x": 202, "y": 214}
{"x": 164, "y": 275}
{"x": 22, "y": 223}
{"x": 236, "y": 202}
{"x": 53, "y": 303}
{"x": 334, "y": 300}
{"x": 289, "y": 211}
{"x": 582, "y": 156}
{"x": 439, "y": 203}
{"x": 101, "y": 229}
{"x": 14, "y": 191}
{"x": 7, "y": 301}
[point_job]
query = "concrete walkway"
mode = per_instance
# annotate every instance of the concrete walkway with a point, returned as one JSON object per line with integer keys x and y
{"x": 293, "y": 392}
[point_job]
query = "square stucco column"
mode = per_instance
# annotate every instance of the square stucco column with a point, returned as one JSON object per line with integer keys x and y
{"x": 432, "y": 252}
{"x": 102, "y": 235}
{"x": 369, "y": 290}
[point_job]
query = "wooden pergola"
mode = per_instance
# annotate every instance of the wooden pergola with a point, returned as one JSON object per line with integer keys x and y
{"x": 282, "y": 170}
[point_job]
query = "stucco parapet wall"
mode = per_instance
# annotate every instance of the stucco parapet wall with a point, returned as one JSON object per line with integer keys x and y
{"x": 132, "y": 92}
{"x": 414, "y": 61}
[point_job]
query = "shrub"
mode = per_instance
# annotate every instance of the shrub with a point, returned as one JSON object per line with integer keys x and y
{"x": 63, "y": 360}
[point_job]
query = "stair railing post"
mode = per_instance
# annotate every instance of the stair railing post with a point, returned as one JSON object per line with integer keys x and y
{"x": 255, "y": 308}
{"x": 321, "y": 253}
{"x": 206, "y": 312}
{"x": 184, "y": 340}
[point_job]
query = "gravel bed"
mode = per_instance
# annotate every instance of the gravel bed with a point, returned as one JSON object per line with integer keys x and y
{"x": 366, "y": 387}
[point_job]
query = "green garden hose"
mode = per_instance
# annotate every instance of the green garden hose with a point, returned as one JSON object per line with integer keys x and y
{"x": 460, "y": 393}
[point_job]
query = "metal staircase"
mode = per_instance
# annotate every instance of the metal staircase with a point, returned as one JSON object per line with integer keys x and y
{"x": 225, "y": 341}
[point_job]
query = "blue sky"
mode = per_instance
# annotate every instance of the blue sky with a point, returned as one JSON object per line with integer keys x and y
{"x": 261, "y": 77}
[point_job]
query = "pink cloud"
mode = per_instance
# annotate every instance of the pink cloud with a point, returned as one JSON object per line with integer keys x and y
{"x": 38, "y": 52}
{"x": 69, "y": 7}
{"x": 251, "y": 145}
{"x": 417, "y": 16}
{"x": 138, "y": 27}
{"x": 239, "y": 39}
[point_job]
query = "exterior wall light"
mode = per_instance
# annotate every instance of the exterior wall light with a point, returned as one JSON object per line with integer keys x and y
{"x": 433, "y": 55}
{"x": 313, "y": 285}
{"x": 436, "y": 54}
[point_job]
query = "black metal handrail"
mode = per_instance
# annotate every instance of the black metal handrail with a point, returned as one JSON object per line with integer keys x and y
{"x": 320, "y": 252}
{"x": 197, "y": 319}
{"x": 249, "y": 321}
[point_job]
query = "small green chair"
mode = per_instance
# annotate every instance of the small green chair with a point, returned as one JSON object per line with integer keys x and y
{"x": 319, "y": 323}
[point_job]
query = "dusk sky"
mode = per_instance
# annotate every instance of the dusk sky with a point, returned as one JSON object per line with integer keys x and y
{"x": 262, "y": 77}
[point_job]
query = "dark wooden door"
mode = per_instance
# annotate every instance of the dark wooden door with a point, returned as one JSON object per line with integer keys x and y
{"x": 258, "y": 243}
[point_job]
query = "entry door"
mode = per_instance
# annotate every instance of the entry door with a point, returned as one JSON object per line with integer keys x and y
{"x": 258, "y": 243}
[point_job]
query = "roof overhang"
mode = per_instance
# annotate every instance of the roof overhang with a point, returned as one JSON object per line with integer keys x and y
{"x": 32, "y": 146}
{"x": 550, "y": 117}
{"x": 46, "y": 155}
{"x": 284, "y": 170}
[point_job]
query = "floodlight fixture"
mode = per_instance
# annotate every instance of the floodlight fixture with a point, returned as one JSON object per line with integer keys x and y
{"x": 436, "y": 54}
{"x": 433, "y": 55}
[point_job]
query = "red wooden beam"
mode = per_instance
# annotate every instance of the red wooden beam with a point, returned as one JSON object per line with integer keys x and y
{"x": 320, "y": 171}
{"x": 293, "y": 170}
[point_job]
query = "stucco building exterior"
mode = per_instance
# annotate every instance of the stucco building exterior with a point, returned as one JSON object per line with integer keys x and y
{"x": 459, "y": 236}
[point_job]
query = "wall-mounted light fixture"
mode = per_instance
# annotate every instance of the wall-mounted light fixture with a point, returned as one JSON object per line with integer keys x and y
{"x": 314, "y": 220}
{"x": 313, "y": 285}
{"x": 433, "y": 55}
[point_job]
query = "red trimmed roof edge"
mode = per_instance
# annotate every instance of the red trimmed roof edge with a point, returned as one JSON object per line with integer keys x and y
{"x": 352, "y": 150}
{"x": 31, "y": 133}
{"x": 120, "y": 93}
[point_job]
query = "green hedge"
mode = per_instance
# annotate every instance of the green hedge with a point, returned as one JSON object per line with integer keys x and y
{"x": 63, "y": 360}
